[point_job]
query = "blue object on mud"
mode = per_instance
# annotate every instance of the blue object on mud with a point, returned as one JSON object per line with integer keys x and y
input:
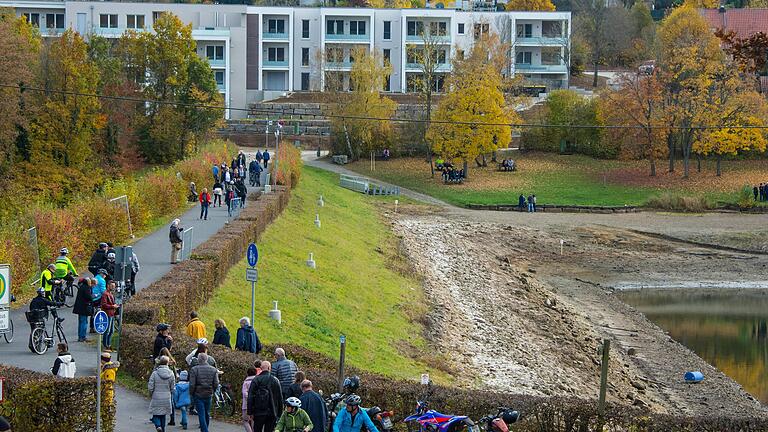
{"x": 694, "y": 377}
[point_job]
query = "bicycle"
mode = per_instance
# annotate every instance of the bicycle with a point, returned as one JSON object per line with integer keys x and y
{"x": 223, "y": 401}
{"x": 8, "y": 334}
{"x": 63, "y": 292}
{"x": 40, "y": 340}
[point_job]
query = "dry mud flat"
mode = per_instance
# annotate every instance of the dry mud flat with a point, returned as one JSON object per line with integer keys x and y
{"x": 530, "y": 320}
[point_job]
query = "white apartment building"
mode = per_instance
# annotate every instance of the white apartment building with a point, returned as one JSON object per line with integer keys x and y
{"x": 258, "y": 52}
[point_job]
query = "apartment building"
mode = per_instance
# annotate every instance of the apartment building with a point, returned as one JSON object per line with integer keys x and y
{"x": 259, "y": 53}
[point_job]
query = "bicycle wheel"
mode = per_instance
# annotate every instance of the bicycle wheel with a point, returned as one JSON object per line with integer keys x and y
{"x": 9, "y": 334}
{"x": 39, "y": 346}
{"x": 60, "y": 333}
{"x": 225, "y": 405}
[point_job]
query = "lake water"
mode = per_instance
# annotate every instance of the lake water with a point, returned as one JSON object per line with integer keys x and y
{"x": 727, "y": 328}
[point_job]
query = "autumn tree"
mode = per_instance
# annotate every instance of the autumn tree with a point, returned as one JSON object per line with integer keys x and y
{"x": 591, "y": 23}
{"x": 353, "y": 120}
{"x": 530, "y": 5}
{"x": 472, "y": 118}
{"x": 749, "y": 53}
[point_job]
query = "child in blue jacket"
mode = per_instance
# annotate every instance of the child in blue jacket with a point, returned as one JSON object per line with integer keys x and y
{"x": 181, "y": 396}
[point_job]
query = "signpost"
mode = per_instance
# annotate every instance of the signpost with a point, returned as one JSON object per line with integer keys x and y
{"x": 5, "y": 302}
{"x": 252, "y": 275}
{"x": 342, "y": 351}
{"x": 100, "y": 323}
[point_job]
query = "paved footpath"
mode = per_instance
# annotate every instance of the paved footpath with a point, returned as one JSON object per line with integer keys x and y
{"x": 154, "y": 253}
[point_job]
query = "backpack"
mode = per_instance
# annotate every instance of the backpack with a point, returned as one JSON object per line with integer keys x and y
{"x": 262, "y": 398}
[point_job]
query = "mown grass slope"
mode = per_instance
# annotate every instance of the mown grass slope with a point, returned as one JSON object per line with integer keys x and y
{"x": 361, "y": 287}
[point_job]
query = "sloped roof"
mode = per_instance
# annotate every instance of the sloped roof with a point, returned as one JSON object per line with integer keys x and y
{"x": 745, "y": 22}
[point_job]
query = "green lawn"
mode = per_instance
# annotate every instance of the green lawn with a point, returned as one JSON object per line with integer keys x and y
{"x": 570, "y": 180}
{"x": 360, "y": 288}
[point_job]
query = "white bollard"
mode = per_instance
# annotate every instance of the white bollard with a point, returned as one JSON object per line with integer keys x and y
{"x": 317, "y": 220}
{"x": 275, "y": 313}
{"x": 396, "y": 203}
{"x": 561, "y": 246}
{"x": 320, "y": 201}
{"x": 311, "y": 261}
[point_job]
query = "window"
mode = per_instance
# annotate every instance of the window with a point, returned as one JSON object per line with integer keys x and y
{"x": 550, "y": 55}
{"x": 351, "y": 56}
{"x": 524, "y": 30}
{"x": 438, "y": 28}
{"x": 305, "y": 56}
{"x": 387, "y": 30}
{"x": 54, "y": 21}
{"x": 481, "y": 29}
{"x": 33, "y": 18}
{"x": 415, "y": 28}
{"x": 305, "y": 29}
{"x": 214, "y": 52}
{"x": 156, "y": 15}
{"x": 219, "y": 75}
{"x": 135, "y": 21}
{"x": 357, "y": 27}
{"x": 387, "y": 85}
{"x": 276, "y": 54}
{"x": 334, "y": 55}
{"x": 305, "y": 81}
{"x": 461, "y": 28}
{"x": 107, "y": 21}
{"x": 441, "y": 57}
{"x": 276, "y": 26}
{"x": 411, "y": 56}
{"x": 387, "y": 55}
{"x": 523, "y": 58}
{"x": 334, "y": 27}
{"x": 552, "y": 29}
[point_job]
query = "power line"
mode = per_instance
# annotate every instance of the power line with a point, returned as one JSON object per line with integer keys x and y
{"x": 284, "y": 112}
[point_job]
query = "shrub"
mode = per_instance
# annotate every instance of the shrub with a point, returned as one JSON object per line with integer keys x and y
{"x": 289, "y": 166}
{"x": 40, "y": 402}
{"x": 746, "y": 197}
{"x": 679, "y": 202}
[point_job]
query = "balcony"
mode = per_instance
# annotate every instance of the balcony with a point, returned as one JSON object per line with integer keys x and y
{"x": 221, "y": 88}
{"x": 446, "y": 39}
{"x": 541, "y": 41}
{"x": 115, "y": 32}
{"x": 274, "y": 36}
{"x": 416, "y": 67}
{"x": 51, "y": 32}
{"x": 217, "y": 64}
{"x": 339, "y": 65}
{"x": 539, "y": 68}
{"x": 275, "y": 64}
{"x": 347, "y": 38}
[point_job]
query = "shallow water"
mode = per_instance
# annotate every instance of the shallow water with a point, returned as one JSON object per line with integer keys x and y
{"x": 726, "y": 327}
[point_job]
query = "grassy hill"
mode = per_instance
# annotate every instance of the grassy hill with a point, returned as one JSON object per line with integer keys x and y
{"x": 361, "y": 287}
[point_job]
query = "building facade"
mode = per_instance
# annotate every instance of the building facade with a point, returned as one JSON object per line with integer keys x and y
{"x": 259, "y": 53}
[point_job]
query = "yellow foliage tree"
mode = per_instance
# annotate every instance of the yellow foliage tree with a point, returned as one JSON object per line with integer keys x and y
{"x": 702, "y": 4}
{"x": 530, "y": 5}
{"x": 472, "y": 118}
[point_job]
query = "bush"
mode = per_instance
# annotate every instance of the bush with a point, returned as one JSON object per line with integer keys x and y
{"x": 746, "y": 197}
{"x": 289, "y": 166}
{"x": 40, "y": 402}
{"x": 679, "y": 202}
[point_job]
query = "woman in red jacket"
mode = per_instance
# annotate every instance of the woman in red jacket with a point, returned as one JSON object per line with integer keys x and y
{"x": 109, "y": 306}
{"x": 205, "y": 201}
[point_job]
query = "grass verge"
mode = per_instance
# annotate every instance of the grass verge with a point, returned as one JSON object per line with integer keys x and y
{"x": 361, "y": 287}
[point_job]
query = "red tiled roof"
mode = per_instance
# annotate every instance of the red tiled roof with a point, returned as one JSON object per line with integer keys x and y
{"x": 745, "y": 22}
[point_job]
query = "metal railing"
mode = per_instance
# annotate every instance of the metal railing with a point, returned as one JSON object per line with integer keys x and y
{"x": 186, "y": 243}
{"x": 366, "y": 186}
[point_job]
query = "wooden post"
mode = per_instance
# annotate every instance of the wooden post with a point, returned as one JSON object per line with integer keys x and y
{"x": 603, "y": 379}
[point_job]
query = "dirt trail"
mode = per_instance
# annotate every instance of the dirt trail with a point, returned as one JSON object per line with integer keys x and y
{"x": 531, "y": 319}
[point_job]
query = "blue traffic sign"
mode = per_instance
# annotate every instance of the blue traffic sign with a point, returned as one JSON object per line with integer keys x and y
{"x": 100, "y": 322}
{"x": 342, "y": 339}
{"x": 253, "y": 255}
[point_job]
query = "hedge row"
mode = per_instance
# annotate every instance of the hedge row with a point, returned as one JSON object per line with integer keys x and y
{"x": 39, "y": 402}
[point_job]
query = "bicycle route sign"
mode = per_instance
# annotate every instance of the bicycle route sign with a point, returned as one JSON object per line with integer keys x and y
{"x": 100, "y": 322}
{"x": 5, "y": 297}
{"x": 253, "y": 254}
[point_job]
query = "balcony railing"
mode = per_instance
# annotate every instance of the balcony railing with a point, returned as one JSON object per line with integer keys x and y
{"x": 347, "y": 37}
{"x": 217, "y": 63}
{"x": 544, "y": 40}
{"x": 221, "y": 87}
{"x": 443, "y": 67}
{"x": 339, "y": 65}
{"x": 539, "y": 68}
{"x": 45, "y": 31}
{"x": 275, "y": 63}
{"x": 275, "y": 36}
{"x": 444, "y": 39}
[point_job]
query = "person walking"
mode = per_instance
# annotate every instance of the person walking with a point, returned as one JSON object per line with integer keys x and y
{"x": 534, "y": 203}
{"x": 182, "y": 398}
{"x": 352, "y": 418}
{"x": 294, "y": 390}
{"x": 108, "y": 377}
{"x": 247, "y": 339}
{"x": 755, "y": 192}
{"x": 265, "y": 156}
{"x": 521, "y": 202}
{"x": 162, "y": 340}
{"x": 161, "y": 385}
{"x": 259, "y": 157}
{"x": 293, "y": 418}
{"x": 194, "y": 356}
{"x": 165, "y": 352}
{"x": 98, "y": 258}
{"x": 215, "y": 173}
{"x": 109, "y": 306}
{"x": 530, "y": 203}
{"x": 242, "y": 191}
{"x": 203, "y": 381}
{"x": 247, "y": 420}
{"x": 83, "y": 307}
{"x": 221, "y": 335}
{"x": 135, "y": 267}
{"x": 265, "y": 398}
{"x": 313, "y": 404}
{"x": 284, "y": 370}
{"x": 176, "y": 239}
{"x": 195, "y": 327}
{"x": 64, "y": 366}
{"x": 205, "y": 201}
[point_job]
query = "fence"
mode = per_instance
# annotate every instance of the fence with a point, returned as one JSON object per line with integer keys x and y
{"x": 124, "y": 199}
{"x": 234, "y": 208}
{"x": 186, "y": 243}
{"x": 32, "y": 241}
{"x": 366, "y": 186}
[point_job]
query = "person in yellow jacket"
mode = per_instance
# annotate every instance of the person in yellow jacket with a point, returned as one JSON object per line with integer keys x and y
{"x": 108, "y": 377}
{"x": 64, "y": 266}
{"x": 46, "y": 280}
{"x": 195, "y": 327}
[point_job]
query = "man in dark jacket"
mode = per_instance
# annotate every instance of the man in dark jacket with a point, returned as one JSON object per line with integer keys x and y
{"x": 203, "y": 381}
{"x": 247, "y": 339}
{"x": 83, "y": 307}
{"x": 521, "y": 202}
{"x": 162, "y": 340}
{"x": 265, "y": 399}
{"x": 284, "y": 370}
{"x": 98, "y": 258}
{"x": 265, "y": 157}
{"x": 313, "y": 404}
{"x": 176, "y": 239}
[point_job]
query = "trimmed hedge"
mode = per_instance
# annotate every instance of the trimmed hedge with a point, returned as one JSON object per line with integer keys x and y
{"x": 40, "y": 402}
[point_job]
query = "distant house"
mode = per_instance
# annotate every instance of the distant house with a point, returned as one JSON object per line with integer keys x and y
{"x": 744, "y": 22}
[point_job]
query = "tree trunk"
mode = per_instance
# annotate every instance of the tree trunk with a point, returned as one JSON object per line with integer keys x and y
{"x": 485, "y": 163}
{"x": 594, "y": 78}
{"x": 719, "y": 158}
{"x": 686, "y": 147}
{"x": 671, "y": 146}
{"x": 477, "y": 161}
{"x": 653, "y": 167}
{"x": 698, "y": 163}
{"x": 431, "y": 164}
{"x": 466, "y": 169}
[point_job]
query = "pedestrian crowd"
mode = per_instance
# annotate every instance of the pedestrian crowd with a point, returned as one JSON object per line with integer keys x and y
{"x": 760, "y": 192}
{"x": 529, "y": 203}
{"x": 229, "y": 181}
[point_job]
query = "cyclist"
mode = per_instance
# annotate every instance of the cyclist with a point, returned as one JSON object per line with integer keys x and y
{"x": 47, "y": 279}
{"x": 109, "y": 265}
{"x": 64, "y": 268}
{"x": 352, "y": 419}
{"x": 351, "y": 384}
{"x": 98, "y": 258}
{"x": 40, "y": 304}
{"x": 293, "y": 418}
